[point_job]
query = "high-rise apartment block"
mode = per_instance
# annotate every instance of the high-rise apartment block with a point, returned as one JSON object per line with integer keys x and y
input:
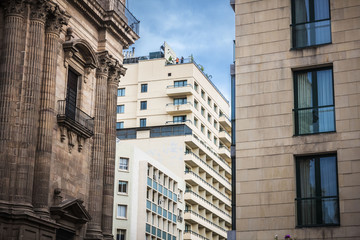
{"x": 60, "y": 65}
{"x": 173, "y": 152}
{"x": 297, "y": 119}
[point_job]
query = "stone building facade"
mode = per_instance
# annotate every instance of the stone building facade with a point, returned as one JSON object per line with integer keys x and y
{"x": 297, "y": 119}
{"x": 60, "y": 64}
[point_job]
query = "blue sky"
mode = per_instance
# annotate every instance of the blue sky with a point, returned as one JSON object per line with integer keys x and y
{"x": 204, "y": 28}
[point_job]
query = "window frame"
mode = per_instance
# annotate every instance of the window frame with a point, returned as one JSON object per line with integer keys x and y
{"x": 317, "y": 177}
{"x": 120, "y": 109}
{"x": 142, "y": 121}
{"x": 122, "y": 166}
{"x": 120, "y": 187}
{"x": 117, "y": 212}
{"x": 143, "y": 105}
{"x": 293, "y": 24}
{"x": 180, "y": 83}
{"x": 118, "y": 232}
{"x": 144, "y": 87}
{"x": 296, "y": 99}
{"x": 121, "y": 124}
{"x": 121, "y": 91}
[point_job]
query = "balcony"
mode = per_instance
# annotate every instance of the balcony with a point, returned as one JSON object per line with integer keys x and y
{"x": 225, "y": 122}
{"x": 195, "y": 179}
{"x": 173, "y": 90}
{"x": 191, "y": 235}
{"x": 195, "y": 218}
{"x": 194, "y": 198}
{"x": 224, "y": 152}
{"x": 179, "y": 108}
{"x": 193, "y": 160}
{"x": 75, "y": 119}
{"x": 124, "y": 14}
{"x": 225, "y": 138}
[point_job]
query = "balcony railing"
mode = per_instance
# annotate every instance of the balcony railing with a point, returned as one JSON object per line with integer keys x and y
{"x": 179, "y": 122}
{"x": 74, "y": 118}
{"x": 196, "y": 234}
{"x": 126, "y": 15}
{"x": 205, "y": 219}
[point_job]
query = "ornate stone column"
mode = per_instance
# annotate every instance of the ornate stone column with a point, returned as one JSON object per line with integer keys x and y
{"x": 110, "y": 145}
{"x": 10, "y": 85}
{"x": 97, "y": 164}
{"x": 56, "y": 19}
{"x": 30, "y": 102}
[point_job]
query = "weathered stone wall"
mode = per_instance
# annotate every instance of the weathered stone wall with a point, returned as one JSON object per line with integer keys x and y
{"x": 265, "y": 141}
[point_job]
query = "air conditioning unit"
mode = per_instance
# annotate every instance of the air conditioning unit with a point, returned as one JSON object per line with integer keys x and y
{"x": 160, "y": 201}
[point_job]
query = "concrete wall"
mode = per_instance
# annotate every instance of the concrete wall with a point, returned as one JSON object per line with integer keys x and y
{"x": 266, "y": 144}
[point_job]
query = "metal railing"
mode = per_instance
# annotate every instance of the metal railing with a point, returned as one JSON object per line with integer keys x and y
{"x": 180, "y": 104}
{"x": 208, "y": 184}
{"x": 203, "y": 218}
{"x": 208, "y": 202}
{"x": 72, "y": 114}
{"x": 179, "y": 122}
{"x": 212, "y": 169}
{"x": 196, "y": 234}
{"x": 179, "y": 86}
{"x": 126, "y": 15}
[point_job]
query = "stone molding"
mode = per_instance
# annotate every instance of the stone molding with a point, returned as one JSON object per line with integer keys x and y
{"x": 14, "y": 7}
{"x": 39, "y": 10}
{"x": 56, "y": 19}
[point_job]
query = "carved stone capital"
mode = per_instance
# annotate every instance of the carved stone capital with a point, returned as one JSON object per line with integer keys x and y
{"x": 39, "y": 9}
{"x": 14, "y": 7}
{"x": 115, "y": 72}
{"x": 56, "y": 19}
{"x": 105, "y": 61}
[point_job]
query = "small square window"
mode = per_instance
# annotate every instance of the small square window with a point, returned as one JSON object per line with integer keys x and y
{"x": 142, "y": 122}
{"x": 124, "y": 164}
{"x": 121, "y": 234}
{"x": 144, "y": 87}
{"x": 123, "y": 186}
{"x": 120, "y": 108}
{"x": 119, "y": 125}
{"x": 169, "y": 74}
{"x": 121, "y": 211}
{"x": 143, "y": 105}
{"x": 121, "y": 92}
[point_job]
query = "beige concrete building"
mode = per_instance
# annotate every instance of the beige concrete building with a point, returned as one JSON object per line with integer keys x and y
{"x": 174, "y": 115}
{"x": 297, "y": 119}
{"x": 60, "y": 65}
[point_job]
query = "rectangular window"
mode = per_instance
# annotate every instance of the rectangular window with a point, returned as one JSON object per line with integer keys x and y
{"x": 120, "y": 108}
{"x": 142, "y": 122}
{"x": 143, "y": 105}
{"x": 202, "y": 128}
{"x": 122, "y": 186}
{"x": 196, "y": 87}
{"x": 314, "y": 101}
{"x": 209, "y": 135}
{"x": 196, "y": 103}
{"x": 317, "y": 196}
{"x": 180, "y": 101}
{"x": 203, "y": 111}
{"x": 144, "y": 87}
{"x": 209, "y": 101}
{"x": 215, "y": 140}
{"x": 124, "y": 164}
{"x": 120, "y": 234}
{"x": 215, "y": 124}
{"x": 195, "y": 121}
{"x": 215, "y": 107}
{"x": 181, "y": 83}
{"x": 203, "y": 94}
{"x": 209, "y": 118}
{"x": 119, "y": 125}
{"x": 121, "y": 211}
{"x": 121, "y": 92}
{"x": 310, "y": 22}
{"x": 178, "y": 119}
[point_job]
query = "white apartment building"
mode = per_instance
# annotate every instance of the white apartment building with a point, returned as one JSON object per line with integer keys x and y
{"x": 173, "y": 173}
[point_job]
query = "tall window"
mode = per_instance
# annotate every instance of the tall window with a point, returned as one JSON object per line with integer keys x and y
{"x": 119, "y": 125}
{"x": 310, "y": 22}
{"x": 120, "y": 108}
{"x": 124, "y": 164}
{"x": 209, "y": 101}
{"x": 203, "y": 94}
{"x": 209, "y": 118}
{"x": 181, "y": 83}
{"x": 196, "y": 86}
{"x": 180, "y": 101}
{"x": 202, "y": 128}
{"x": 314, "y": 101}
{"x": 122, "y": 186}
{"x": 71, "y": 94}
{"x": 316, "y": 189}
{"x": 121, "y": 92}
{"x": 143, "y": 105}
{"x": 178, "y": 119}
{"x": 196, "y": 103}
{"x": 121, "y": 211}
{"x": 144, "y": 87}
{"x": 203, "y": 111}
{"x": 142, "y": 122}
{"x": 120, "y": 234}
{"x": 195, "y": 121}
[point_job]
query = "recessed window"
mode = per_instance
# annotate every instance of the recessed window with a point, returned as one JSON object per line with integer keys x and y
{"x": 121, "y": 234}
{"x": 202, "y": 128}
{"x": 120, "y": 108}
{"x": 169, "y": 74}
{"x": 124, "y": 164}
{"x": 196, "y": 103}
{"x": 144, "y": 87}
{"x": 209, "y": 101}
{"x": 179, "y": 119}
{"x": 196, "y": 86}
{"x": 143, "y": 105}
{"x": 310, "y": 22}
{"x": 195, "y": 121}
{"x": 123, "y": 187}
{"x": 215, "y": 140}
{"x": 221, "y": 113}
{"x": 121, "y": 211}
{"x": 119, "y": 125}
{"x": 203, "y": 94}
{"x": 314, "y": 101}
{"x": 181, "y": 83}
{"x": 209, "y": 118}
{"x": 215, "y": 108}
{"x": 142, "y": 122}
{"x": 209, "y": 135}
{"x": 121, "y": 92}
{"x": 317, "y": 192}
{"x": 180, "y": 101}
{"x": 215, "y": 124}
{"x": 203, "y": 111}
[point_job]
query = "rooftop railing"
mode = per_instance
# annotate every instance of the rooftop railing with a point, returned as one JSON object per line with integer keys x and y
{"x": 126, "y": 15}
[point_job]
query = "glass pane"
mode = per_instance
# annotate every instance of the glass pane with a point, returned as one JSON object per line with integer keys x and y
{"x": 315, "y": 33}
{"x": 321, "y": 9}
{"x": 304, "y": 86}
{"x": 308, "y": 212}
{"x": 326, "y": 119}
{"x": 325, "y": 87}
{"x": 330, "y": 211}
{"x": 328, "y": 176}
{"x": 307, "y": 178}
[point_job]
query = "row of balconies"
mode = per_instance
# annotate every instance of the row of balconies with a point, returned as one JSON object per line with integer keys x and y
{"x": 158, "y": 233}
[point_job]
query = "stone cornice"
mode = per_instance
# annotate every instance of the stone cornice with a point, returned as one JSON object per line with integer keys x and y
{"x": 107, "y": 19}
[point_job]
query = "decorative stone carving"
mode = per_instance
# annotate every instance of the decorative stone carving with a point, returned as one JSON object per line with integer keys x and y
{"x": 71, "y": 140}
{"x": 62, "y": 133}
{"x": 12, "y": 7}
{"x": 39, "y": 9}
{"x": 56, "y": 19}
{"x": 105, "y": 61}
{"x": 57, "y": 196}
{"x": 80, "y": 141}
